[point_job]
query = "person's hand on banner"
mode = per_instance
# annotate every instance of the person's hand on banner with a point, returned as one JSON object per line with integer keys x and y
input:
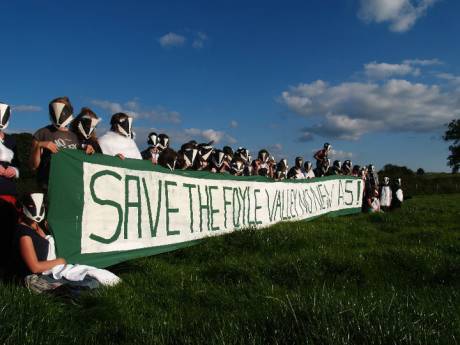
{"x": 49, "y": 145}
{"x": 2, "y": 170}
{"x": 89, "y": 150}
{"x": 9, "y": 172}
{"x": 120, "y": 155}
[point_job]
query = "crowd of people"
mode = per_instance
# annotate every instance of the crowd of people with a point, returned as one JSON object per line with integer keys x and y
{"x": 26, "y": 217}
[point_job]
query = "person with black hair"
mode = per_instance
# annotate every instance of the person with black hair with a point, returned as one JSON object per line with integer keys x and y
{"x": 118, "y": 141}
{"x": 50, "y": 139}
{"x": 9, "y": 172}
{"x": 84, "y": 126}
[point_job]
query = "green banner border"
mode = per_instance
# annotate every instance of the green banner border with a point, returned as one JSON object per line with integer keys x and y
{"x": 66, "y": 203}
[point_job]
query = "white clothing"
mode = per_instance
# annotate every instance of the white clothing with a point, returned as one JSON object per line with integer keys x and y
{"x": 112, "y": 143}
{"x": 76, "y": 273}
{"x": 399, "y": 195}
{"x": 309, "y": 174}
{"x": 385, "y": 196}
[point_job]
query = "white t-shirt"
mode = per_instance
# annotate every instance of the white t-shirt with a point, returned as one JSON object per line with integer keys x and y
{"x": 112, "y": 143}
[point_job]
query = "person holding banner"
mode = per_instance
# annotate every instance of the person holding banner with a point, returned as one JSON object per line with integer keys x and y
{"x": 118, "y": 141}
{"x": 84, "y": 126}
{"x": 50, "y": 139}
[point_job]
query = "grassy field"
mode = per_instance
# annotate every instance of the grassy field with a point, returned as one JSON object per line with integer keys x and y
{"x": 365, "y": 279}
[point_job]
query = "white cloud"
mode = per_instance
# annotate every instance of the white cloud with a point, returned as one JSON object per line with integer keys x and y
{"x": 421, "y": 62}
{"x": 26, "y": 108}
{"x": 340, "y": 155}
{"x": 199, "y": 40}
{"x": 172, "y": 39}
{"x": 233, "y": 124}
{"x": 385, "y": 70}
{"x": 210, "y": 135}
{"x": 449, "y": 77}
{"x": 400, "y": 14}
{"x": 134, "y": 108}
{"x": 350, "y": 109}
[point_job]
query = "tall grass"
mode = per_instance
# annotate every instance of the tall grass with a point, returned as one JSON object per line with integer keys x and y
{"x": 366, "y": 279}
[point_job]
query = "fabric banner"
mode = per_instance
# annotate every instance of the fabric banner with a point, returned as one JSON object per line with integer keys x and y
{"x": 103, "y": 210}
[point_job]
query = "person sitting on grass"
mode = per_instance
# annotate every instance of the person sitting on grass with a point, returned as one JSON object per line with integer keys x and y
{"x": 30, "y": 246}
{"x": 118, "y": 141}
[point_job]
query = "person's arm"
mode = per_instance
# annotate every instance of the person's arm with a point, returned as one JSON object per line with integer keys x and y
{"x": 28, "y": 254}
{"x": 36, "y": 151}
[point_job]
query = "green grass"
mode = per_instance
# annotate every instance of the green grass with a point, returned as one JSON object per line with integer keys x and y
{"x": 366, "y": 279}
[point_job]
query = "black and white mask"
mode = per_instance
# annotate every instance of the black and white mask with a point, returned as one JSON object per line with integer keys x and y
{"x": 60, "y": 114}
{"x": 5, "y": 112}
{"x": 206, "y": 151}
{"x": 298, "y": 162}
{"x": 172, "y": 165}
{"x": 237, "y": 167}
{"x": 386, "y": 181}
{"x": 34, "y": 207}
{"x": 153, "y": 140}
{"x": 190, "y": 156}
{"x": 87, "y": 125}
{"x": 163, "y": 141}
{"x": 244, "y": 154}
{"x": 307, "y": 166}
{"x": 124, "y": 127}
{"x": 218, "y": 158}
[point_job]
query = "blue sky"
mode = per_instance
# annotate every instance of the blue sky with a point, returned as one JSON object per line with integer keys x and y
{"x": 376, "y": 78}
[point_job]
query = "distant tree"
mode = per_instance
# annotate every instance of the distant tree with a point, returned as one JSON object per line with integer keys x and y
{"x": 395, "y": 170}
{"x": 453, "y": 134}
{"x": 420, "y": 172}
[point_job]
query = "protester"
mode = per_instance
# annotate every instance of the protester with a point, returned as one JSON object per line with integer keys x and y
{"x": 323, "y": 168}
{"x": 308, "y": 170}
{"x": 31, "y": 245}
{"x": 187, "y": 156}
{"x": 168, "y": 158}
{"x": 163, "y": 142}
{"x": 152, "y": 152}
{"x": 84, "y": 126}
{"x": 398, "y": 195}
{"x": 50, "y": 139}
{"x": 347, "y": 167}
{"x": 281, "y": 171}
{"x": 372, "y": 177}
{"x": 321, "y": 156}
{"x": 336, "y": 168}
{"x": 218, "y": 162}
{"x": 205, "y": 151}
{"x": 296, "y": 171}
{"x": 237, "y": 166}
{"x": 385, "y": 194}
{"x": 261, "y": 165}
{"x": 118, "y": 141}
{"x": 373, "y": 201}
{"x": 9, "y": 172}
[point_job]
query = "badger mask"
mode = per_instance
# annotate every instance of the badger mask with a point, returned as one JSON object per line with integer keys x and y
{"x": 218, "y": 159}
{"x": 124, "y": 127}
{"x": 60, "y": 114}
{"x": 206, "y": 151}
{"x": 5, "y": 112}
{"x": 237, "y": 167}
{"x": 163, "y": 142}
{"x": 298, "y": 163}
{"x": 153, "y": 140}
{"x": 307, "y": 166}
{"x": 189, "y": 156}
{"x": 34, "y": 207}
{"x": 86, "y": 125}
